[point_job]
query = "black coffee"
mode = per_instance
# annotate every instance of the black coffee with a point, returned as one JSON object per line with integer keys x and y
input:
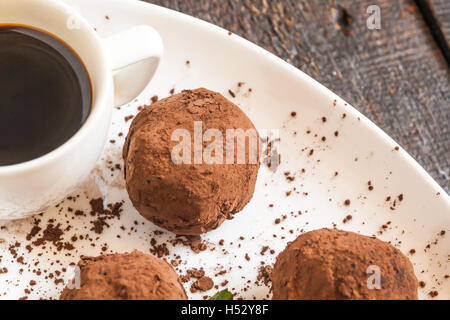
{"x": 45, "y": 94}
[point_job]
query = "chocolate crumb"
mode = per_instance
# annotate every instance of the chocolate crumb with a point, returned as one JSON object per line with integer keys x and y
{"x": 264, "y": 275}
{"x": 433, "y": 294}
{"x": 347, "y": 219}
{"x": 203, "y": 284}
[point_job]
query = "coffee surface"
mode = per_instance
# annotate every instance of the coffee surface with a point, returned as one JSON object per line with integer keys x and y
{"x": 45, "y": 94}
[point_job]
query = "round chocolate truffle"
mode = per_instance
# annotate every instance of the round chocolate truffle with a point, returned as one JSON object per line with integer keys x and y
{"x": 335, "y": 264}
{"x": 127, "y": 276}
{"x": 173, "y": 178}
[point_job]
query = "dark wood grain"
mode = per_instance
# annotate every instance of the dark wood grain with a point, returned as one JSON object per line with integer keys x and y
{"x": 437, "y": 16}
{"x": 396, "y": 75}
{"x": 441, "y": 9}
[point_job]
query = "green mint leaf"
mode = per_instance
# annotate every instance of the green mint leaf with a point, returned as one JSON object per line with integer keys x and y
{"x": 222, "y": 295}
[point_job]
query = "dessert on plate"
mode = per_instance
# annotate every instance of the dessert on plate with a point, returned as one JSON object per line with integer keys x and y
{"x": 125, "y": 276}
{"x": 335, "y": 264}
{"x": 178, "y": 170}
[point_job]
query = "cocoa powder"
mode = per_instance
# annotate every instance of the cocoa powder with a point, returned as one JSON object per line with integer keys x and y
{"x": 187, "y": 199}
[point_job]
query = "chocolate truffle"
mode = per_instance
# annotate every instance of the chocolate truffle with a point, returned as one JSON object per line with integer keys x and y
{"x": 127, "y": 276}
{"x": 333, "y": 264}
{"x": 191, "y": 195}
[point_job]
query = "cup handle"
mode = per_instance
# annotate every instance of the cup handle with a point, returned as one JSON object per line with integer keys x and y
{"x": 134, "y": 56}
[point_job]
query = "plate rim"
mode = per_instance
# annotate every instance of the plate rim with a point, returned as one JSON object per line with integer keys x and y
{"x": 294, "y": 71}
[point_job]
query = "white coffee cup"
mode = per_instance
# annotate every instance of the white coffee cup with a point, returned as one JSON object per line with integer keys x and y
{"x": 31, "y": 187}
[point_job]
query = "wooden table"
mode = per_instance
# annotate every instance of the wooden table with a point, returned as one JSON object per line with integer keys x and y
{"x": 398, "y": 75}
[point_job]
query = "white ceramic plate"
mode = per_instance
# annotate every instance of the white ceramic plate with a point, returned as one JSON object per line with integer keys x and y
{"x": 360, "y": 153}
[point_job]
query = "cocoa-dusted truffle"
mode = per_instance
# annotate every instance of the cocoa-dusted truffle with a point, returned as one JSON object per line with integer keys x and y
{"x": 333, "y": 264}
{"x": 195, "y": 195}
{"x": 127, "y": 276}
